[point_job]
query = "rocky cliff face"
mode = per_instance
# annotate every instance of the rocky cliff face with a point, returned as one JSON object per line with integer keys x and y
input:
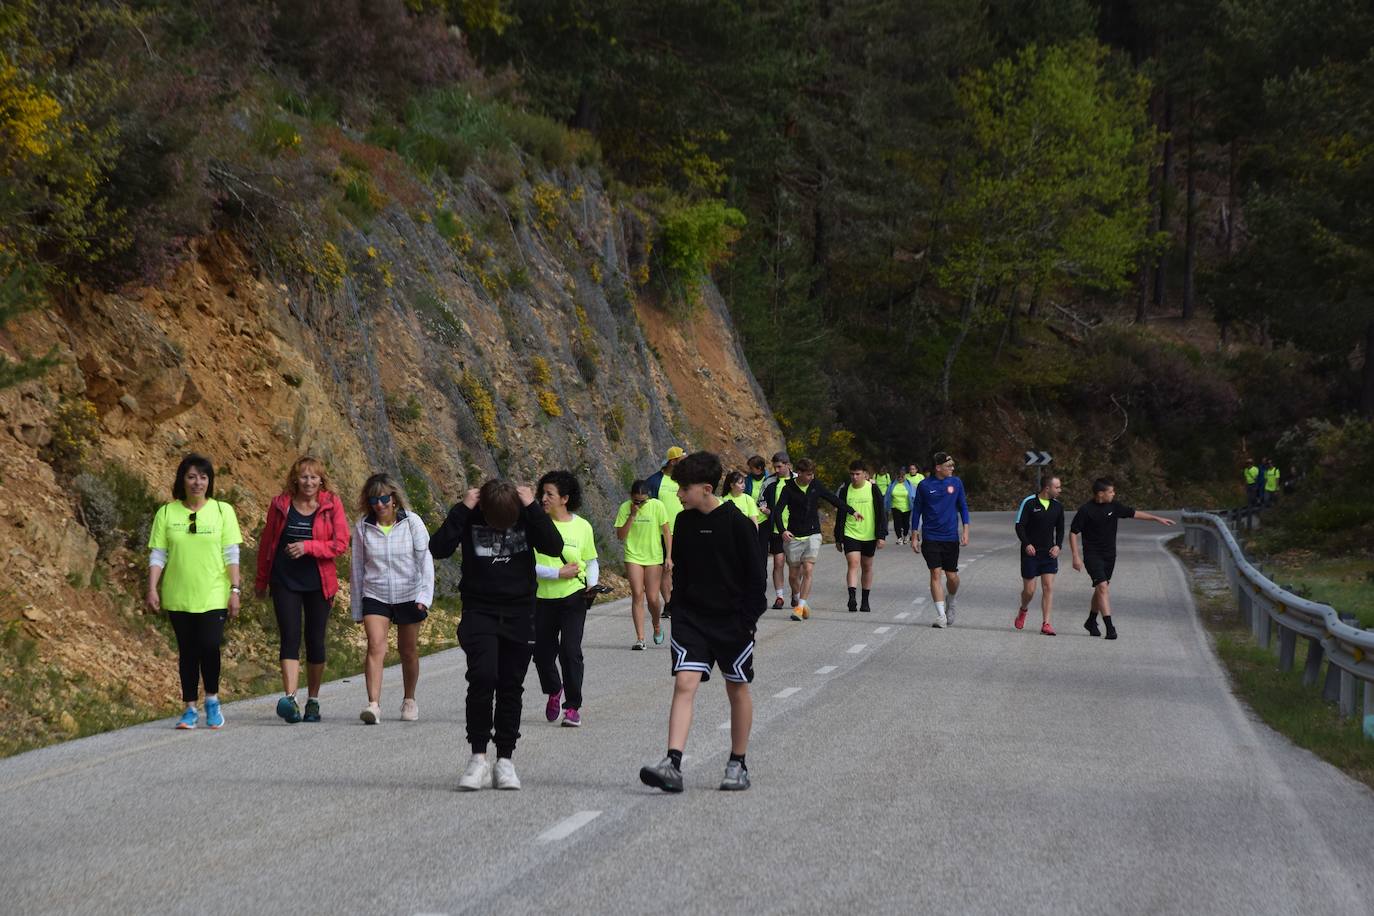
{"x": 464, "y": 334}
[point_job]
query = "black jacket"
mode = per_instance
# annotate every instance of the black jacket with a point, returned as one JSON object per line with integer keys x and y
{"x": 803, "y": 508}
{"x": 1040, "y": 526}
{"x": 718, "y": 567}
{"x": 498, "y": 563}
{"x": 879, "y": 516}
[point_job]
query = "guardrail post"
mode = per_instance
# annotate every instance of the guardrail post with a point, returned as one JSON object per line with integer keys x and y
{"x": 1369, "y": 710}
{"x": 1348, "y": 697}
{"x": 1315, "y": 652}
{"x": 1262, "y": 621}
{"x": 1288, "y": 648}
{"x": 1246, "y": 606}
{"x": 1331, "y": 687}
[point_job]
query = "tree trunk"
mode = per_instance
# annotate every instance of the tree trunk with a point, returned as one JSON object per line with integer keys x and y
{"x": 1190, "y": 235}
{"x": 1367, "y": 392}
{"x": 1166, "y": 181}
{"x": 1231, "y": 197}
{"x": 1142, "y": 291}
{"x": 1009, "y": 327}
{"x": 1033, "y": 310}
{"x": 965, "y": 322}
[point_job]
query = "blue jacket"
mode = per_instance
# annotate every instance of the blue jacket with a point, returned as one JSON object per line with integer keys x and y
{"x": 910, "y": 492}
{"x": 939, "y": 506}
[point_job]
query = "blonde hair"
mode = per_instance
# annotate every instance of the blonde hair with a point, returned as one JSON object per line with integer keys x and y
{"x": 303, "y": 462}
{"x": 380, "y": 485}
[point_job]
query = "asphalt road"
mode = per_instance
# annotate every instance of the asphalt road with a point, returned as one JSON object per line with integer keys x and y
{"x": 897, "y": 768}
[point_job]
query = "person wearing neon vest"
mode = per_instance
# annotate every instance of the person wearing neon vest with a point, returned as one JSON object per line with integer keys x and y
{"x": 1271, "y": 482}
{"x": 1251, "y": 472}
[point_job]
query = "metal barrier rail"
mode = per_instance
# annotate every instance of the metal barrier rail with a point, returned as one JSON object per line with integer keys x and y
{"x": 1348, "y": 651}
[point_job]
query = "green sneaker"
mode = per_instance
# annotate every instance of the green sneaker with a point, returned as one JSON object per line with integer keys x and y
{"x": 289, "y": 710}
{"x": 312, "y": 710}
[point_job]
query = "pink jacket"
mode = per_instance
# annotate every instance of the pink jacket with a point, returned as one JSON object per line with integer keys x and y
{"x": 329, "y": 539}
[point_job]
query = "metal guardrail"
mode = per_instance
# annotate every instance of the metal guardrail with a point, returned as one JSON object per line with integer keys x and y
{"x": 1347, "y": 650}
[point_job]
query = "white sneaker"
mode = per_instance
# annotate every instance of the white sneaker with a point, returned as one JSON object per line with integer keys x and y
{"x": 504, "y": 775}
{"x": 477, "y": 775}
{"x": 371, "y": 714}
{"x": 410, "y": 710}
{"x": 949, "y": 608}
{"x": 940, "y": 622}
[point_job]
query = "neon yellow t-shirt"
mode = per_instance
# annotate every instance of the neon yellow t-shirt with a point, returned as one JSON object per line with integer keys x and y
{"x": 901, "y": 499}
{"x": 777, "y": 492}
{"x": 1044, "y": 503}
{"x": 861, "y": 498}
{"x": 747, "y": 506}
{"x": 386, "y": 529}
{"x": 883, "y": 481}
{"x": 1271, "y": 480}
{"x": 1251, "y": 474}
{"x": 644, "y": 543}
{"x": 667, "y": 494}
{"x": 579, "y": 546}
{"x": 195, "y": 578}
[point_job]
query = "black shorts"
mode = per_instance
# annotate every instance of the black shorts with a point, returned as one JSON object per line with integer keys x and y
{"x": 1042, "y": 564}
{"x": 404, "y": 612}
{"x": 863, "y": 548}
{"x": 1099, "y": 566}
{"x": 941, "y": 554}
{"x": 700, "y": 642}
{"x": 774, "y": 543}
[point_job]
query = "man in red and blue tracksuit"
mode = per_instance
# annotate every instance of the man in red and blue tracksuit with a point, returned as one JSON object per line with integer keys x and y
{"x": 936, "y": 532}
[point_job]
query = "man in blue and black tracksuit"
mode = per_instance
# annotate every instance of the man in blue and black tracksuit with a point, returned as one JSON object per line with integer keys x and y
{"x": 936, "y": 533}
{"x": 1040, "y": 529}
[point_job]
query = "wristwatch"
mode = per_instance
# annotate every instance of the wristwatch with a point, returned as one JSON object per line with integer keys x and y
{"x": 235, "y": 589}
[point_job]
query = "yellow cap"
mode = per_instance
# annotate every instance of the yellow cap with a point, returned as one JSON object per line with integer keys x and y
{"x": 674, "y": 452}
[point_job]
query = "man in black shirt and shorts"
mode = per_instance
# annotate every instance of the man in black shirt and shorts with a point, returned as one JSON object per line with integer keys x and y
{"x": 1095, "y": 522}
{"x": 1040, "y": 529}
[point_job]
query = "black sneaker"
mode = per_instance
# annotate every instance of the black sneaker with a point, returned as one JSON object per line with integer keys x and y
{"x": 312, "y": 710}
{"x": 1091, "y": 626}
{"x": 853, "y": 608}
{"x": 865, "y": 609}
{"x": 663, "y": 776}
{"x": 1111, "y": 632}
{"x": 666, "y": 614}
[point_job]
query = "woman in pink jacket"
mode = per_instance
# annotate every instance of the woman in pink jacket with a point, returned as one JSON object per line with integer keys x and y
{"x": 306, "y": 530}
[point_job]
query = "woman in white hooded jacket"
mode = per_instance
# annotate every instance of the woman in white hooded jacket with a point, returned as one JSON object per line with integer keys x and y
{"x": 392, "y": 581}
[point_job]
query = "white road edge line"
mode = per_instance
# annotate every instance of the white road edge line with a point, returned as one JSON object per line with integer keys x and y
{"x": 786, "y": 692}
{"x": 857, "y": 648}
{"x": 881, "y": 630}
{"x": 826, "y": 669}
{"x": 567, "y": 827}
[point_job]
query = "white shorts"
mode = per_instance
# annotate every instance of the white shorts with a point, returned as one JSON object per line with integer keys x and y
{"x": 799, "y": 550}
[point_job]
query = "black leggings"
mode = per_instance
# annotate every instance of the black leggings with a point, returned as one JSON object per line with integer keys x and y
{"x": 199, "y": 637}
{"x": 289, "y": 605}
{"x": 558, "y": 627}
{"x": 901, "y": 522}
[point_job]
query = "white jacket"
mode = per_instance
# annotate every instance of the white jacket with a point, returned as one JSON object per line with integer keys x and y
{"x": 391, "y": 568}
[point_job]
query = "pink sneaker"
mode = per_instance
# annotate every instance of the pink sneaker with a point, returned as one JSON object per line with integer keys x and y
{"x": 554, "y": 704}
{"x": 1047, "y": 630}
{"x": 1021, "y": 618}
{"x": 572, "y": 718}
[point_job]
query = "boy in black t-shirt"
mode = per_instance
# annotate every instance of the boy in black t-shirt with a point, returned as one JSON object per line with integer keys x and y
{"x": 718, "y": 597}
{"x": 1095, "y": 522}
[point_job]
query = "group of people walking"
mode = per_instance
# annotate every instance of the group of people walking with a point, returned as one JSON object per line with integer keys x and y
{"x": 698, "y": 547}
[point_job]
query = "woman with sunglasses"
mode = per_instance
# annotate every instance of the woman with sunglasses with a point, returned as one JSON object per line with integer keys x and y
{"x": 306, "y": 530}
{"x": 193, "y": 574}
{"x": 392, "y": 582}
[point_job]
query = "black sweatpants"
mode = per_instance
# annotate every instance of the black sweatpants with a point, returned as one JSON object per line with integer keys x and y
{"x": 901, "y": 522}
{"x": 290, "y": 606}
{"x": 498, "y": 647}
{"x": 199, "y": 637}
{"x": 558, "y": 626}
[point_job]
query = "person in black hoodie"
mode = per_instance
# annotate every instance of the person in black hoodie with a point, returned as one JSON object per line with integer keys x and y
{"x": 718, "y": 598}
{"x": 797, "y": 518}
{"x": 499, "y": 528}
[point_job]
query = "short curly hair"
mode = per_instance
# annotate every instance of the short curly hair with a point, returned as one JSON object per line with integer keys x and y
{"x": 566, "y": 485}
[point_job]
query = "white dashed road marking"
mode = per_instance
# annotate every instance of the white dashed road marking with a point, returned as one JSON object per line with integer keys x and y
{"x": 903, "y": 615}
{"x": 786, "y": 692}
{"x": 857, "y": 648}
{"x": 825, "y": 670}
{"x": 567, "y": 827}
{"x": 882, "y": 629}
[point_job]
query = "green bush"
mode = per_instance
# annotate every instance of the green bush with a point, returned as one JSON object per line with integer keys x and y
{"x": 116, "y": 506}
{"x": 695, "y": 238}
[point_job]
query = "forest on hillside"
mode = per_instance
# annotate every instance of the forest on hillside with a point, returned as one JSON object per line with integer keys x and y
{"x": 1141, "y": 230}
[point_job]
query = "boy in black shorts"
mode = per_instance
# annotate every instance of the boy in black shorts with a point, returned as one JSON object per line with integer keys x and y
{"x": 860, "y": 535}
{"x": 1095, "y": 522}
{"x": 718, "y": 597}
{"x": 772, "y": 489}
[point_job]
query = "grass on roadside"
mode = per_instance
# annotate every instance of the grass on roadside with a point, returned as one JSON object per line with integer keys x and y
{"x": 1346, "y": 583}
{"x": 1279, "y": 698}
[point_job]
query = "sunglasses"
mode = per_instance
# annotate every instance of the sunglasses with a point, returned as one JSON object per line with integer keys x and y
{"x": 192, "y": 519}
{"x": 383, "y": 500}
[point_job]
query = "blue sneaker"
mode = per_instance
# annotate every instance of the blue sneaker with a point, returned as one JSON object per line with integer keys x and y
{"x": 188, "y": 718}
{"x": 289, "y": 709}
{"x": 213, "y": 717}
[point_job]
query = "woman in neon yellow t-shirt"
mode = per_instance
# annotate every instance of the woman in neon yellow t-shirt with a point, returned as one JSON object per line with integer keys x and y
{"x": 642, "y": 525}
{"x": 193, "y": 574}
{"x": 560, "y": 607}
{"x": 734, "y": 493}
